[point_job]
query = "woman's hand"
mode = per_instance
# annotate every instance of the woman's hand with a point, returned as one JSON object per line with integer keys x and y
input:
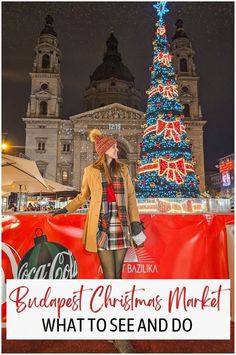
{"x": 143, "y": 226}
{"x": 136, "y": 228}
{"x": 60, "y": 211}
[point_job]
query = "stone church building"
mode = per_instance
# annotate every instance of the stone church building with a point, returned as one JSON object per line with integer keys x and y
{"x": 61, "y": 147}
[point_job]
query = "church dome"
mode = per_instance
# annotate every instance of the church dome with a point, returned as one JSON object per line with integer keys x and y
{"x": 48, "y": 29}
{"x": 179, "y": 30}
{"x": 112, "y": 65}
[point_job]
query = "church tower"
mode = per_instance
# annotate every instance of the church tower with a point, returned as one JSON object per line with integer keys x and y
{"x": 47, "y": 134}
{"x": 111, "y": 82}
{"x": 45, "y": 99}
{"x": 185, "y": 69}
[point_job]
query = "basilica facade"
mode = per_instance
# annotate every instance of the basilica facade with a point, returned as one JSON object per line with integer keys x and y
{"x": 61, "y": 147}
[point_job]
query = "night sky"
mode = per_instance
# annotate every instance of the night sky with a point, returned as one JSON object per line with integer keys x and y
{"x": 83, "y": 28}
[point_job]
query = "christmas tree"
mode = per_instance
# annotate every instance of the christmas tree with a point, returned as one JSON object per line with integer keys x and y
{"x": 166, "y": 165}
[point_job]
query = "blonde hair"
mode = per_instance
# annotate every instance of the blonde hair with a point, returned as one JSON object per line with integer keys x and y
{"x": 101, "y": 164}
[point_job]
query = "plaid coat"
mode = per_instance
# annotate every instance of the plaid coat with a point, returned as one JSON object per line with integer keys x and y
{"x": 92, "y": 187}
{"x": 113, "y": 224}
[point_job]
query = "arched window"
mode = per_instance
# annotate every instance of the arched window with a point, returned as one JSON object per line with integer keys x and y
{"x": 41, "y": 145}
{"x": 183, "y": 65}
{"x": 45, "y": 61}
{"x": 121, "y": 153}
{"x": 66, "y": 147}
{"x": 65, "y": 177}
{"x": 186, "y": 110}
{"x": 43, "y": 108}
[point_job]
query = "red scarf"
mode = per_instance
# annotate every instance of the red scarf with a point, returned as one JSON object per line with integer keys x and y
{"x": 110, "y": 193}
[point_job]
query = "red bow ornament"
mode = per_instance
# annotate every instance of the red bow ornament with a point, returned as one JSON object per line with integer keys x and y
{"x": 164, "y": 58}
{"x": 175, "y": 169}
{"x": 168, "y": 90}
{"x": 173, "y": 129}
{"x": 161, "y": 30}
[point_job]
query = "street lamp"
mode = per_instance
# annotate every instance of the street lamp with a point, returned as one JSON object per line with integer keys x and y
{"x": 4, "y": 147}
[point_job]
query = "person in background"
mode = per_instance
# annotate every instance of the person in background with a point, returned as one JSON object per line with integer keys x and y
{"x": 30, "y": 207}
{"x": 13, "y": 207}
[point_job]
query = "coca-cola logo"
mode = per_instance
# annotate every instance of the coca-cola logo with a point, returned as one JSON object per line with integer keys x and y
{"x": 10, "y": 260}
{"x": 12, "y": 257}
{"x": 63, "y": 266}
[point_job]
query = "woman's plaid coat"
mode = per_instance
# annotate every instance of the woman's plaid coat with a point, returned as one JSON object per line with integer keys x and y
{"x": 92, "y": 187}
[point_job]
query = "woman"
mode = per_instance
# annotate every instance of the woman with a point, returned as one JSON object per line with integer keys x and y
{"x": 113, "y": 214}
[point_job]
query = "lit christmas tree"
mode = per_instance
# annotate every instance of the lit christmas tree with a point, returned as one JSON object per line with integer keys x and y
{"x": 166, "y": 165}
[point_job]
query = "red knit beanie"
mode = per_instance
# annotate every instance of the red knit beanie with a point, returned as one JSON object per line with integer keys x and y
{"x": 102, "y": 142}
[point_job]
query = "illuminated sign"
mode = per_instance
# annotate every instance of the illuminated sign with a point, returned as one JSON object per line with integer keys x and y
{"x": 226, "y": 166}
{"x": 226, "y": 179}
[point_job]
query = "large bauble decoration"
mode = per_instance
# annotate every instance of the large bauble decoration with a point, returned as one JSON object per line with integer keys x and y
{"x": 47, "y": 260}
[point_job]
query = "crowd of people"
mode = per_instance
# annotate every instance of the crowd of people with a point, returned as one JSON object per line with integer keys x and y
{"x": 31, "y": 207}
{"x": 36, "y": 207}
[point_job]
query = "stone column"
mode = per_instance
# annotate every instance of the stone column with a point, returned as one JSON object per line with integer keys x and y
{"x": 201, "y": 172}
{"x": 77, "y": 160}
{"x": 195, "y": 134}
{"x": 132, "y": 159}
{"x": 56, "y": 108}
{"x": 86, "y": 157}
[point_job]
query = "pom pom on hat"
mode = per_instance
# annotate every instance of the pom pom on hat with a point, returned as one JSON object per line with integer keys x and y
{"x": 94, "y": 134}
{"x": 102, "y": 142}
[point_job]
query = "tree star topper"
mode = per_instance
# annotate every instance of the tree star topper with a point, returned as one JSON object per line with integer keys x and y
{"x": 161, "y": 10}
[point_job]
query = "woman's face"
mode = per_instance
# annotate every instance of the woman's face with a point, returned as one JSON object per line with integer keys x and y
{"x": 112, "y": 152}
